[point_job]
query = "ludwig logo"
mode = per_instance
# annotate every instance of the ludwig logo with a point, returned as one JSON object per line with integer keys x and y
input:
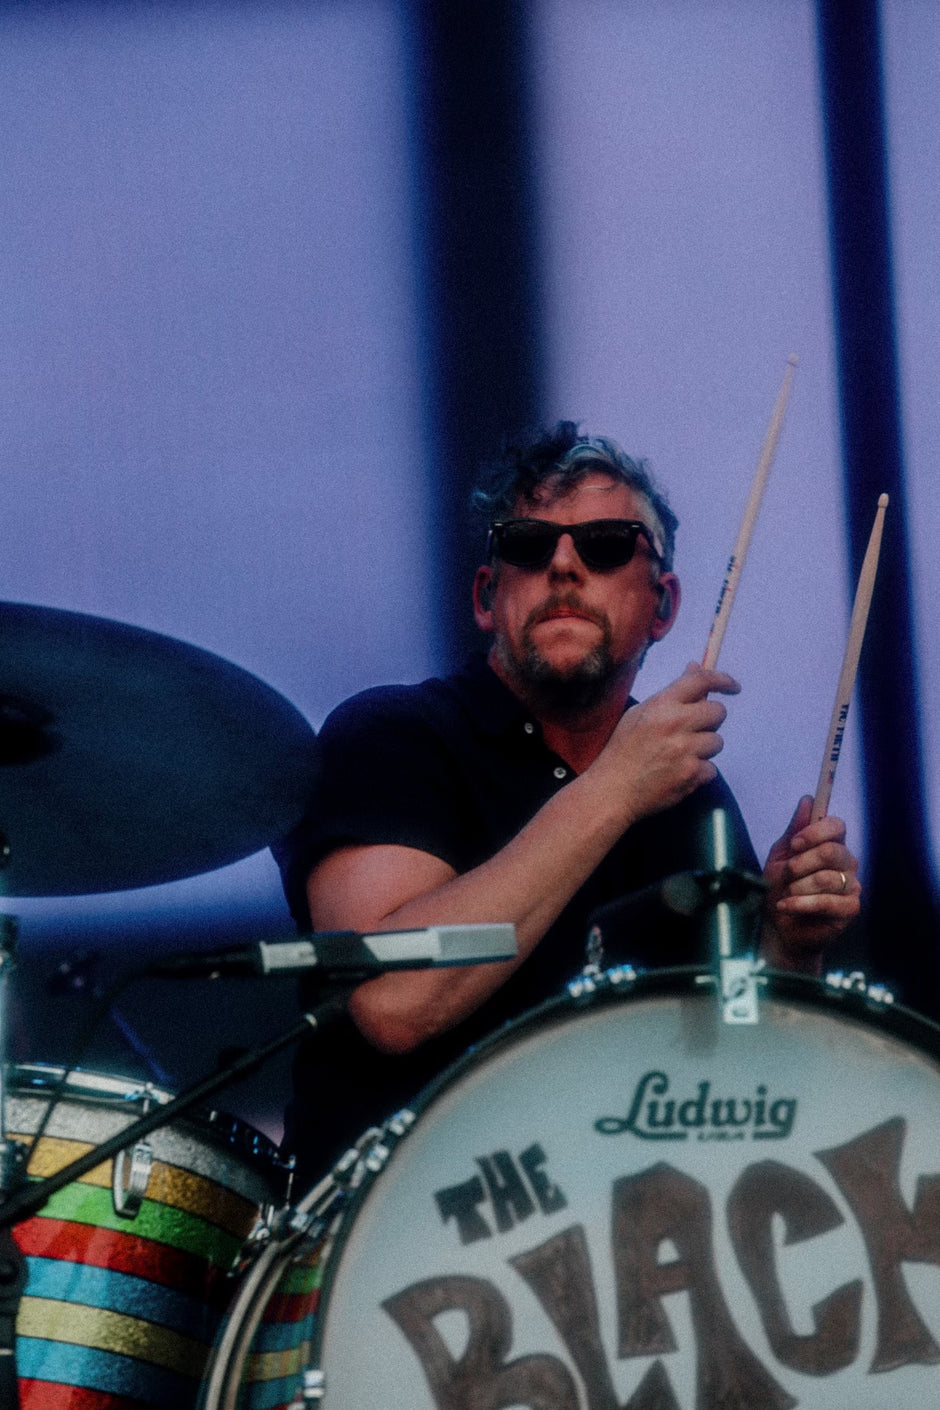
{"x": 656, "y": 1115}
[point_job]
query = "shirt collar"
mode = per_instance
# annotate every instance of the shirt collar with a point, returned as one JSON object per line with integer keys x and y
{"x": 494, "y": 706}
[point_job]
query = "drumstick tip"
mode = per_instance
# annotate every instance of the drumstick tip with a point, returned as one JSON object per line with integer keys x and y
{"x": 882, "y": 501}
{"x": 793, "y": 360}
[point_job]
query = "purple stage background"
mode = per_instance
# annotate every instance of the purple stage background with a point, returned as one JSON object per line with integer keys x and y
{"x": 212, "y": 395}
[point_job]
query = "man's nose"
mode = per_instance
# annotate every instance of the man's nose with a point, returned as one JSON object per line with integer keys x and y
{"x": 566, "y": 561}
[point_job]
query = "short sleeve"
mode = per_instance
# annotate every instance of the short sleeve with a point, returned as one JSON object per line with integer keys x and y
{"x": 386, "y": 776}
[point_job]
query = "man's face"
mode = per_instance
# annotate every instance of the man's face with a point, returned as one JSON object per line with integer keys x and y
{"x": 563, "y": 635}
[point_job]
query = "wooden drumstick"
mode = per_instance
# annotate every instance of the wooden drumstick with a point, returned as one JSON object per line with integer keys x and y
{"x": 738, "y": 554}
{"x": 853, "y": 650}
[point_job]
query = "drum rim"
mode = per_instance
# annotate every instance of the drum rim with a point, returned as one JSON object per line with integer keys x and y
{"x": 220, "y": 1129}
{"x": 815, "y": 992}
{"x": 599, "y": 991}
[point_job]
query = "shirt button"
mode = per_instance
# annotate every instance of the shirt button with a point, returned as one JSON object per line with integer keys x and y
{"x": 529, "y": 727}
{"x": 560, "y": 772}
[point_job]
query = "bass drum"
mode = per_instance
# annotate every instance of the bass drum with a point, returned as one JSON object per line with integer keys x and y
{"x": 623, "y": 1201}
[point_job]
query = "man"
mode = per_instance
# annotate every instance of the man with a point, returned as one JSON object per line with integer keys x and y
{"x": 530, "y": 788}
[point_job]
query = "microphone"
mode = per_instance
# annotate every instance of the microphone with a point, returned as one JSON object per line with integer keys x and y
{"x": 347, "y": 955}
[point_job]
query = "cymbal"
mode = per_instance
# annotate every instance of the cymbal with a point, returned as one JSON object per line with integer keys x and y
{"x": 128, "y": 758}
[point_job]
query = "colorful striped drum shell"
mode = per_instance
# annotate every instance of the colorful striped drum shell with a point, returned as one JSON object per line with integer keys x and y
{"x": 264, "y": 1347}
{"x": 120, "y": 1313}
{"x": 280, "y": 1351}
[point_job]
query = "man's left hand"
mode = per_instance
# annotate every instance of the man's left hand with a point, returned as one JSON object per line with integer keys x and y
{"x": 814, "y": 891}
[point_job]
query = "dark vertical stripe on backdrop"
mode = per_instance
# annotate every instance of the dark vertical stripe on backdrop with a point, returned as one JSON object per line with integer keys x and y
{"x": 900, "y": 933}
{"x": 476, "y": 267}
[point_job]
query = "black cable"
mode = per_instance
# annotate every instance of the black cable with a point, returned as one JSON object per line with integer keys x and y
{"x": 80, "y": 1048}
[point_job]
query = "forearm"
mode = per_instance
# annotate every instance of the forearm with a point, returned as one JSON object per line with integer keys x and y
{"x": 528, "y": 884}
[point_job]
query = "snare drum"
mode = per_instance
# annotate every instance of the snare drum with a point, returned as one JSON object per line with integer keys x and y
{"x": 621, "y": 1200}
{"x": 129, "y": 1274}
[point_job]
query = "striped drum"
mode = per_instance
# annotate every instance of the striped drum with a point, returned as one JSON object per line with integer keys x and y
{"x": 261, "y": 1359}
{"x": 266, "y": 1347}
{"x": 128, "y": 1282}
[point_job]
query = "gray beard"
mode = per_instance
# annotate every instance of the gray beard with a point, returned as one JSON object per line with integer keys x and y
{"x": 551, "y": 692}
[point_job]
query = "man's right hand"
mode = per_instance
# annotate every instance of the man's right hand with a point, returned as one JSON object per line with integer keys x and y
{"x": 660, "y": 751}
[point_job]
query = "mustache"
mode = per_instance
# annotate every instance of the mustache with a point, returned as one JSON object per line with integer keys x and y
{"x": 570, "y": 600}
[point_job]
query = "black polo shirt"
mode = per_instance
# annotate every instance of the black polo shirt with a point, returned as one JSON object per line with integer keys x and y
{"x": 456, "y": 767}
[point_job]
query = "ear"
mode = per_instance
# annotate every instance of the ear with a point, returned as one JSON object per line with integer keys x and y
{"x": 670, "y": 595}
{"x": 483, "y": 598}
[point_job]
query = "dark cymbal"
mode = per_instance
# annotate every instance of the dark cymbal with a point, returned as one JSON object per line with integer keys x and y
{"x": 128, "y": 758}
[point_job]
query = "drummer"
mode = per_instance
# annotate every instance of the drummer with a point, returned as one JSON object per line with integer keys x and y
{"x": 530, "y": 788}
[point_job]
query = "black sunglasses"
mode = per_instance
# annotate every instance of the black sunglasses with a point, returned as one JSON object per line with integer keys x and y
{"x": 602, "y": 544}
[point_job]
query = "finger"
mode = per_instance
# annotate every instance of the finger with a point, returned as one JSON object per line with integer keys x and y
{"x": 706, "y": 715}
{"x": 695, "y": 682}
{"x": 668, "y": 711}
{"x": 782, "y": 849}
{"x": 823, "y": 830}
{"x": 706, "y": 745}
{"x": 825, "y": 883}
{"x": 828, "y": 856}
{"x": 822, "y": 905}
{"x": 801, "y": 816}
{"x": 704, "y": 773}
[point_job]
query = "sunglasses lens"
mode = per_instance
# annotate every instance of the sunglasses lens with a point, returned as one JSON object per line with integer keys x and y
{"x": 604, "y": 546}
{"x": 526, "y": 543}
